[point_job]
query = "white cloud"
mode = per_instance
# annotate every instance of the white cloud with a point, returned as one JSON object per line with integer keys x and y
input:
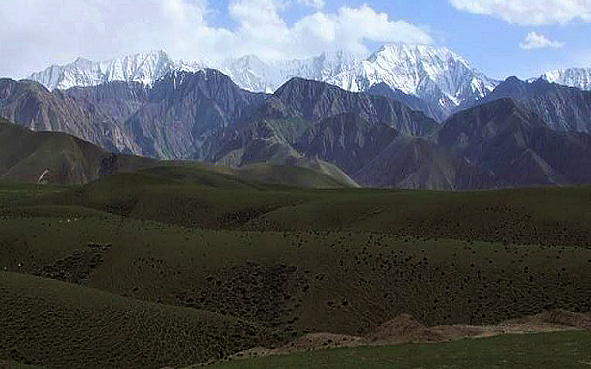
{"x": 529, "y": 12}
{"x": 262, "y": 30}
{"x": 317, "y": 4}
{"x": 34, "y": 33}
{"x": 534, "y": 40}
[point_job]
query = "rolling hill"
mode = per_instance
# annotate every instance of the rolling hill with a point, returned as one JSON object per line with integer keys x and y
{"x": 58, "y": 158}
{"x": 204, "y": 264}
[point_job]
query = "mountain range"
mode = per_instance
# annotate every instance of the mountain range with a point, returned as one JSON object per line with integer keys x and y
{"x": 409, "y": 116}
{"x": 442, "y": 80}
{"x": 437, "y": 75}
{"x": 377, "y": 141}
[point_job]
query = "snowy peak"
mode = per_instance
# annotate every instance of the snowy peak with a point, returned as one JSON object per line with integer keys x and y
{"x": 340, "y": 68}
{"x": 253, "y": 74}
{"x": 433, "y": 73}
{"x": 144, "y": 68}
{"x": 437, "y": 75}
{"x": 573, "y": 77}
{"x": 413, "y": 52}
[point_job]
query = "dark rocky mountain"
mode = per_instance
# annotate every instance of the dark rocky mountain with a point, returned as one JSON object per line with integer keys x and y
{"x": 118, "y": 100}
{"x": 415, "y": 103}
{"x": 347, "y": 140}
{"x": 417, "y": 163}
{"x": 377, "y": 155}
{"x": 31, "y": 105}
{"x": 517, "y": 146}
{"x": 563, "y": 108}
{"x": 495, "y": 145}
{"x": 167, "y": 121}
{"x": 286, "y": 123}
{"x": 314, "y": 101}
{"x": 376, "y": 140}
{"x": 201, "y": 115}
{"x": 183, "y": 108}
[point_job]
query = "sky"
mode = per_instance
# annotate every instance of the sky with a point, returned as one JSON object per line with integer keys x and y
{"x": 498, "y": 37}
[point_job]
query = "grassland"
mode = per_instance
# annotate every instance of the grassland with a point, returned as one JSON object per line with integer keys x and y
{"x": 63, "y": 325}
{"x": 544, "y": 350}
{"x": 177, "y": 247}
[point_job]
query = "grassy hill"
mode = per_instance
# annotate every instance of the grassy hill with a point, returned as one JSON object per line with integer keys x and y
{"x": 286, "y": 261}
{"x": 27, "y": 155}
{"x": 297, "y": 282}
{"x": 59, "y": 158}
{"x": 58, "y": 324}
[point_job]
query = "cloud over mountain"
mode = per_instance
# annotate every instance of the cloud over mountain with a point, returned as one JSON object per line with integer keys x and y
{"x": 529, "y": 12}
{"x": 34, "y": 29}
{"x": 535, "y": 40}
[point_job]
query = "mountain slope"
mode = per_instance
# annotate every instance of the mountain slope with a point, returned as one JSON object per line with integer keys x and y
{"x": 57, "y": 158}
{"x": 516, "y": 146}
{"x": 416, "y": 163}
{"x": 314, "y": 101}
{"x": 276, "y": 129}
{"x": 347, "y": 140}
{"x": 494, "y": 145}
{"x": 183, "y": 108}
{"x": 168, "y": 120}
{"x": 118, "y": 100}
{"x": 31, "y": 105}
{"x": 413, "y": 102}
{"x": 563, "y": 108}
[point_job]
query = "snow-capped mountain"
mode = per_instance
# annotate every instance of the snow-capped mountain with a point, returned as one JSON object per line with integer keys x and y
{"x": 573, "y": 77}
{"x": 145, "y": 68}
{"x": 338, "y": 68}
{"x": 435, "y": 74}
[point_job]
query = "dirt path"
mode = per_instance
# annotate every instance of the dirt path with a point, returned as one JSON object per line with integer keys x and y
{"x": 404, "y": 329}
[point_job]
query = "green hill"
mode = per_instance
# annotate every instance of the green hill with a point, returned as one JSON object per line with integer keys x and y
{"x": 61, "y": 325}
{"x": 52, "y": 157}
{"x": 297, "y": 281}
{"x": 58, "y": 158}
{"x": 288, "y": 261}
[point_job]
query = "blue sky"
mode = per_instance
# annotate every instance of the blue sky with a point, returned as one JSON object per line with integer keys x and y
{"x": 491, "y": 44}
{"x": 498, "y": 37}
